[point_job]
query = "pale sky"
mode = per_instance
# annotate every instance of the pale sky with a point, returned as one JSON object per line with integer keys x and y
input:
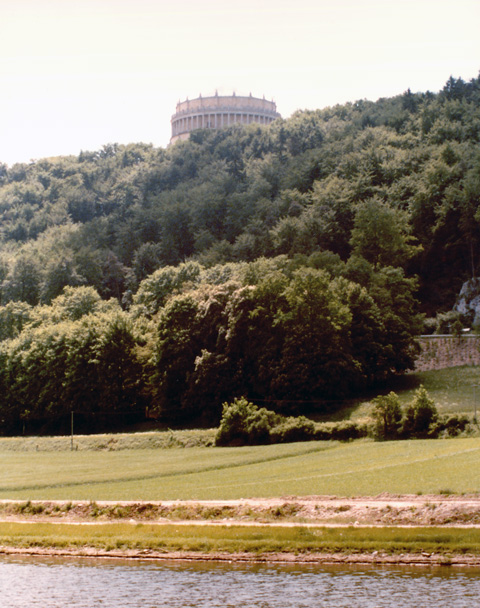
{"x": 78, "y": 74}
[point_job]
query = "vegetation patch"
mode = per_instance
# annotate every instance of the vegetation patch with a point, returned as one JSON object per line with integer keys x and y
{"x": 159, "y": 439}
{"x": 243, "y": 539}
{"x": 244, "y": 423}
{"x": 455, "y": 390}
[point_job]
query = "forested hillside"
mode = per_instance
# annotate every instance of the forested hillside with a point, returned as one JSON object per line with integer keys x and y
{"x": 286, "y": 263}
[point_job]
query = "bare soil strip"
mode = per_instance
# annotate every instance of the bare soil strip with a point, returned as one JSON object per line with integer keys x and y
{"x": 383, "y": 510}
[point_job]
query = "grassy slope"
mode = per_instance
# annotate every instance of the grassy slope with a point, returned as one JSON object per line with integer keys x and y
{"x": 358, "y": 468}
{"x": 455, "y": 390}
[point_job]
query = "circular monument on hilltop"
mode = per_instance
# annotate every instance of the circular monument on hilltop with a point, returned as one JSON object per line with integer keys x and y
{"x": 220, "y": 111}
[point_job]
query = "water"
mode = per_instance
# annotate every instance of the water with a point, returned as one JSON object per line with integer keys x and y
{"x": 75, "y": 583}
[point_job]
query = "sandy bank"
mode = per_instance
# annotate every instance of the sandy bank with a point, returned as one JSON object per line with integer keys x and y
{"x": 382, "y": 510}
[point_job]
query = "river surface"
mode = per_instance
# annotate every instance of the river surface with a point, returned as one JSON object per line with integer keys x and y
{"x": 77, "y": 583}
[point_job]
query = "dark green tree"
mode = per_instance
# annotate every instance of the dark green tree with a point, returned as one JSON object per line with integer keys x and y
{"x": 420, "y": 416}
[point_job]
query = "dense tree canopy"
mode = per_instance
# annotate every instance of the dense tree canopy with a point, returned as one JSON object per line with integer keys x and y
{"x": 285, "y": 263}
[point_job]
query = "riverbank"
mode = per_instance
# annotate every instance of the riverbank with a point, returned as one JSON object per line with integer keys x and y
{"x": 423, "y": 559}
{"x": 387, "y": 529}
{"x": 383, "y": 510}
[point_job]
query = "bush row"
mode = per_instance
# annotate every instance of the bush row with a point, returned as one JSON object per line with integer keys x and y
{"x": 419, "y": 419}
{"x": 244, "y": 423}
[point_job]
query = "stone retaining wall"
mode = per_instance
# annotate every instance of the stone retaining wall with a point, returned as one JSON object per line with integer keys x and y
{"x": 440, "y": 352}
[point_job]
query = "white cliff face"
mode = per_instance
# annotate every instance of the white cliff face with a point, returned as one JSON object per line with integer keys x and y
{"x": 468, "y": 301}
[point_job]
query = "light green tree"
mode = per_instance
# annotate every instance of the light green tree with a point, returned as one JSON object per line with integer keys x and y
{"x": 387, "y": 414}
{"x": 381, "y": 234}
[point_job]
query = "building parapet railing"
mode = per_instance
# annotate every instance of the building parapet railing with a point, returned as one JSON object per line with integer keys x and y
{"x": 229, "y": 109}
{"x": 462, "y": 335}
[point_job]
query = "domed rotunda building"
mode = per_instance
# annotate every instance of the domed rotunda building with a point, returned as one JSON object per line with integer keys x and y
{"x": 220, "y": 111}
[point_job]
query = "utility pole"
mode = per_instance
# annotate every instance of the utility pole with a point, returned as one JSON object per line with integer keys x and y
{"x": 71, "y": 431}
{"x": 474, "y": 404}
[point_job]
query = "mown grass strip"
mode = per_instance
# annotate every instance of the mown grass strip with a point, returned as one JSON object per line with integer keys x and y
{"x": 192, "y": 463}
{"x": 357, "y": 468}
{"x": 108, "y": 442}
{"x": 241, "y": 539}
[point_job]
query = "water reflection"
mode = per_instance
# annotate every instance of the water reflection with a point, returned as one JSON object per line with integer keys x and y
{"x": 76, "y": 583}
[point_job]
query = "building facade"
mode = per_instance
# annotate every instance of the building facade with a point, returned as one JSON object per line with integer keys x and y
{"x": 220, "y": 111}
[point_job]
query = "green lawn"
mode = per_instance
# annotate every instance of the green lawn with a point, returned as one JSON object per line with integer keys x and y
{"x": 358, "y": 468}
{"x": 455, "y": 390}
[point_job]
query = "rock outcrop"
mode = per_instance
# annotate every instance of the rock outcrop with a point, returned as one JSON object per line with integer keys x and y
{"x": 468, "y": 301}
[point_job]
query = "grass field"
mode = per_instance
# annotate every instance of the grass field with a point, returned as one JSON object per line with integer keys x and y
{"x": 357, "y": 468}
{"x": 111, "y": 441}
{"x": 239, "y": 539}
{"x": 455, "y": 390}
{"x": 149, "y": 466}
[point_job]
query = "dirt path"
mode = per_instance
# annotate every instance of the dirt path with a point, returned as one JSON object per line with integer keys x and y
{"x": 383, "y": 510}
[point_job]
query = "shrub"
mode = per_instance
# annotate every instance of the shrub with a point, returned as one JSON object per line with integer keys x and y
{"x": 387, "y": 415}
{"x": 340, "y": 431}
{"x": 452, "y": 424}
{"x": 429, "y": 325}
{"x": 419, "y": 420}
{"x": 346, "y": 431}
{"x": 293, "y": 429}
{"x": 243, "y": 423}
{"x": 449, "y": 323}
{"x": 420, "y": 416}
{"x": 457, "y": 328}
